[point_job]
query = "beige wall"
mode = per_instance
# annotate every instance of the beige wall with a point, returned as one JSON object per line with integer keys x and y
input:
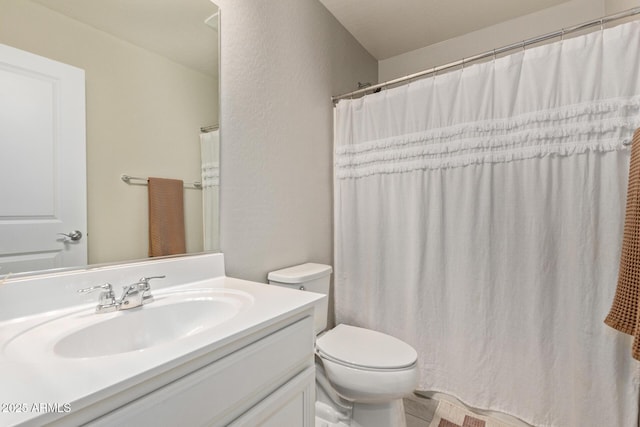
{"x": 143, "y": 118}
{"x": 613, "y": 6}
{"x": 280, "y": 63}
{"x": 567, "y": 14}
{"x": 564, "y": 15}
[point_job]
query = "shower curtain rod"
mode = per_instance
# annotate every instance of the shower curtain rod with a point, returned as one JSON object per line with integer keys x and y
{"x": 494, "y": 52}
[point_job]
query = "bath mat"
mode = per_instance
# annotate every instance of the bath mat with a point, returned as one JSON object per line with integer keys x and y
{"x": 449, "y": 415}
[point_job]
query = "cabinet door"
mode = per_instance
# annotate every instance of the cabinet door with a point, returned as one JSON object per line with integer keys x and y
{"x": 293, "y": 404}
{"x": 218, "y": 393}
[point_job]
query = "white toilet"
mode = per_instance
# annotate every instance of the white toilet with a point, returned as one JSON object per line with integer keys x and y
{"x": 361, "y": 375}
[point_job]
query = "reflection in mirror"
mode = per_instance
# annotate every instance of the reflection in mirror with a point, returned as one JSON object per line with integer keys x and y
{"x": 151, "y": 107}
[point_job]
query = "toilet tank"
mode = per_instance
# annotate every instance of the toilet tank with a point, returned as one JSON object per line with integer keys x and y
{"x": 307, "y": 277}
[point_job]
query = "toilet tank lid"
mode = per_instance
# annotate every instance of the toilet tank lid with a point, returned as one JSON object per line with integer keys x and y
{"x": 300, "y": 273}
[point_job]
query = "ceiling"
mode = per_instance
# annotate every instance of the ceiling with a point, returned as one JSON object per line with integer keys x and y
{"x": 172, "y": 28}
{"x": 385, "y": 28}
{"x": 388, "y": 28}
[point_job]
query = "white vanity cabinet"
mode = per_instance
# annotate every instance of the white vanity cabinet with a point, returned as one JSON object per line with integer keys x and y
{"x": 210, "y": 350}
{"x": 267, "y": 382}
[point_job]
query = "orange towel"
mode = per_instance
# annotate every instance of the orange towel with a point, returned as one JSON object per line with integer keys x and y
{"x": 624, "y": 314}
{"x": 166, "y": 217}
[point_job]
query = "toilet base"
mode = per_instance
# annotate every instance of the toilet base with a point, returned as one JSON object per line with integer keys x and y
{"x": 364, "y": 415}
{"x": 334, "y": 411}
{"x": 379, "y": 415}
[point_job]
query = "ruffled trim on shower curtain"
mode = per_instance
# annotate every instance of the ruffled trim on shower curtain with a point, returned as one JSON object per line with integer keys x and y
{"x": 600, "y": 126}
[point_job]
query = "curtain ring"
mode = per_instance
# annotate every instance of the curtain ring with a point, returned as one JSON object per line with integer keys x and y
{"x": 494, "y": 55}
{"x": 601, "y": 24}
{"x": 562, "y": 35}
{"x": 463, "y": 63}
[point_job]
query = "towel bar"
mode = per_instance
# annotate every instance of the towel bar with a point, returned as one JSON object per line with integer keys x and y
{"x": 128, "y": 178}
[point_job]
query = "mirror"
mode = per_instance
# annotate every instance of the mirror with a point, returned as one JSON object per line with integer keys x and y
{"x": 151, "y": 84}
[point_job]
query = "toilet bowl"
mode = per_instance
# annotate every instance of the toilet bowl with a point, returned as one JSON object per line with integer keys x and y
{"x": 367, "y": 366}
{"x": 361, "y": 375}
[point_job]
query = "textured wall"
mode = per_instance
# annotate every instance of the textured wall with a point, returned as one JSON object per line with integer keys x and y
{"x": 281, "y": 60}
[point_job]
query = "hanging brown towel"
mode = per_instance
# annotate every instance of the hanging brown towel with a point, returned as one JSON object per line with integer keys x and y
{"x": 166, "y": 217}
{"x": 624, "y": 314}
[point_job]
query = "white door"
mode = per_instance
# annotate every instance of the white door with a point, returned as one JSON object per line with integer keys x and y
{"x": 42, "y": 163}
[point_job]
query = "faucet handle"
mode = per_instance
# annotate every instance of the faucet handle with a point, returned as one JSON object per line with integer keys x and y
{"x": 145, "y": 281}
{"x": 107, "y": 300}
{"x": 107, "y": 287}
{"x": 136, "y": 294}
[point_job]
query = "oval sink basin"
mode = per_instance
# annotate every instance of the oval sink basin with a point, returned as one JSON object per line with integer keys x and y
{"x": 144, "y": 328}
{"x": 170, "y": 318}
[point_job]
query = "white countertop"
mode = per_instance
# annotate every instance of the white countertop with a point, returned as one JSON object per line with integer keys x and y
{"x": 30, "y": 380}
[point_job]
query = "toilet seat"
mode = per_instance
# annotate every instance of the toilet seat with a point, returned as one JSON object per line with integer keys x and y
{"x": 366, "y": 366}
{"x": 361, "y": 348}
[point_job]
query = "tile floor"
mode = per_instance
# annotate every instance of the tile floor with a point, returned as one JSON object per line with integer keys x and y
{"x": 419, "y": 410}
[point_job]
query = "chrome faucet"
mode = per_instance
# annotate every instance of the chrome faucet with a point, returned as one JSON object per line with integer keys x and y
{"x": 133, "y": 295}
{"x": 137, "y": 294}
{"x": 107, "y": 301}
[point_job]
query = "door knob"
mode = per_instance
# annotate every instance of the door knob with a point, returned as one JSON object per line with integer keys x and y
{"x": 74, "y": 236}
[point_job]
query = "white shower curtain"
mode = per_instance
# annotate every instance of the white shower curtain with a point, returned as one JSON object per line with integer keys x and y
{"x": 478, "y": 216}
{"x": 210, "y": 159}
